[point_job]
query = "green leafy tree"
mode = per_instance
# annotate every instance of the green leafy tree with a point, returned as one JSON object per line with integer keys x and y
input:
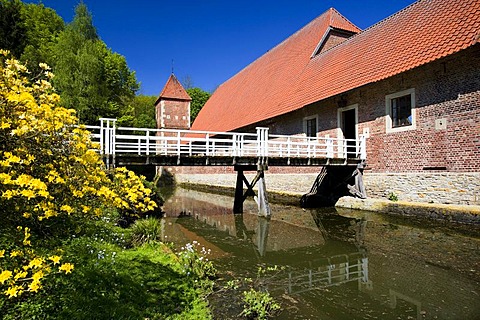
{"x": 89, "y": 76}
{"x": 120, "y": 80}
{"x": 140, "y": 113}
{"x": 42, "y": 27}
{"x": 199, "y": 98}
{"x": 144, "y": 108}
{"x": 12, "y": 27}
{"x": 83, "y": 23}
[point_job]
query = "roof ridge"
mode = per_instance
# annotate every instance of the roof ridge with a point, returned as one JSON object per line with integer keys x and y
{"x": 328, "y": 11}
{"x": 331, "y": 15}
{"x": 383, "y": 21}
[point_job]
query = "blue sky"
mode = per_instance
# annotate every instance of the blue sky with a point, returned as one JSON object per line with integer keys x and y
{"x": 209, "y": 41}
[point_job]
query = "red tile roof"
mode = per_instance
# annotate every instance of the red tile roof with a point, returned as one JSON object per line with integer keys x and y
{"x": 173, "y": 89}
{"x": 286, "y": 78}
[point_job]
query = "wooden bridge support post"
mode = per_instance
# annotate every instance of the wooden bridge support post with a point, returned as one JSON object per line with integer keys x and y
{"x": 359, "y": 181}
{"x": 238, "y": 201}
{"x": 240, "y": 196}
{"x": 262, "y": 200}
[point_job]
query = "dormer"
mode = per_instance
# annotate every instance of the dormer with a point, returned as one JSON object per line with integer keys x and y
{"x": 339, "y": 30}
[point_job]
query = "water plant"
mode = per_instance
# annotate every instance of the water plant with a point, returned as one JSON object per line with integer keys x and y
{"x": 250, "y": 295}
{"x": 195, "y": 263}
{"x": 259, "y": 304}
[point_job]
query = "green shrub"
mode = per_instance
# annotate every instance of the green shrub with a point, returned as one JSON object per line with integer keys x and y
{"x": 145, "y": 231}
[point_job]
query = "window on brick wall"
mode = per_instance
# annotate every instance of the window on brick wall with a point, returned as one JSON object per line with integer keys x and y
{"x": 310, "y": 126}
{"x": 400, "y": 110}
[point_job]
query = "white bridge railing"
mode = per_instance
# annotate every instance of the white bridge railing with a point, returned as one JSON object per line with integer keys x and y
{"x": 350, "y": 268}
{"x": 124, "y": 140}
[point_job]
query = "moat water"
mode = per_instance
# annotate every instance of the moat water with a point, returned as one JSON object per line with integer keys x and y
{"x": 332, "y": 263}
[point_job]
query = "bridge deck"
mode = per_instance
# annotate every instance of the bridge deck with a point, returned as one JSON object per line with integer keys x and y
{"x": 202, "y": 160}
{"x": 167, "y": 147}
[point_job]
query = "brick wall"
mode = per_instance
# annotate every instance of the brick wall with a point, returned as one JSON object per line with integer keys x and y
{"x": 447, "y": 90}
{"x": 173, "y": 113}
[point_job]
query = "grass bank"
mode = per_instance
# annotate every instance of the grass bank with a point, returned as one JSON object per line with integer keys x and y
{"x": 114, "y": 279}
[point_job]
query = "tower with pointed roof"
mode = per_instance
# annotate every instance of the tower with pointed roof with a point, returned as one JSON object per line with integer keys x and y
{"x": 172, "y": 107}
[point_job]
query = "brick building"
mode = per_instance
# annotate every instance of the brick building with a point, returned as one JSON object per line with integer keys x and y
{"x": 172, "y": 108}
{"x": 410, "y": 84}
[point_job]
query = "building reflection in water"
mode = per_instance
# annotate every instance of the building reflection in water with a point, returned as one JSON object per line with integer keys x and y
{"x": 271, "y": 237}
{"x": 324, "y": 256}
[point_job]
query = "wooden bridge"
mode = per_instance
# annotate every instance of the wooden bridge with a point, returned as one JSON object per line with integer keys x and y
{"x": 121, "y": 146}
{"x": 168, "y": 147}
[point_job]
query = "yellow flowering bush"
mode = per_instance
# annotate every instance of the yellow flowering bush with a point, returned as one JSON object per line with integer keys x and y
{"x": 49, "y": 171}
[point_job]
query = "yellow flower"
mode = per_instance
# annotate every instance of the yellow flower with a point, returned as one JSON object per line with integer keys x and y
{"x": 67, "y": 267}
{"x": 27, "y": 242}
{"x": 11, "y": 158}
{"x": 35, "y": 263}
{"x": 5, "y": 178}
{"x": 38, "y": 275}
{"x": 5, "y": 275}
{"x": 2, "y": 253}
{"x": 21, "y": 275}
{"x": 66, "y": 208}
{"x": 48, "y": 214}
{"x": 8, "y": 194}
{"x": 28, "y": 194}
{"x": 34, "y": 286}
{"x": 4, "y": 125}
{"x": 13, "y": 291}
{"x": 97, "y": 212}
{"x": 77, "y": 193}
{"x": 44, "y": 66}
{"x": 15, "y": 253}
{"x": 23, "y": 180}
{"x": 55, "y": 259}
{"x": 43, "y": 193}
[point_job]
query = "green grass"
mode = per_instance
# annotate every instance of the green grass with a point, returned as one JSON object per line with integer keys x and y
{"x": 112, "y": 281}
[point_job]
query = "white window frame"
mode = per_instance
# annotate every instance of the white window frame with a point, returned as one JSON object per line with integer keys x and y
{"x": 305, "y": 124}
{"x": 388, "y": 118}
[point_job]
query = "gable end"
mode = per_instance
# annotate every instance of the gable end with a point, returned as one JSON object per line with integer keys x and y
{"x": 332, "y": 37}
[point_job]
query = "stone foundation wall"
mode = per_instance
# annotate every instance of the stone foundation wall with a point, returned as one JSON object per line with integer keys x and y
{"x": 445, "y": 188}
